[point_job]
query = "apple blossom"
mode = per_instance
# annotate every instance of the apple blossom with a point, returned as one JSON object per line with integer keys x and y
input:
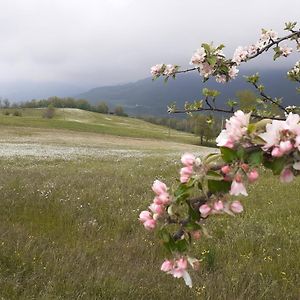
{"x": 188, "y": 159}
{"x": 205, "y": 210}
{"x": 157, "y": 70}
{"x": 159, "y": 187}
{"x": 253, "y": 175}
{"x": 238, "y": 188}
{"x": 286, "y": 176}
{"x": 236, "y": 207}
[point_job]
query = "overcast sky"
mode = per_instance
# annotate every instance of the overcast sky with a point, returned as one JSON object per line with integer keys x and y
{"x": 100, "y": 42}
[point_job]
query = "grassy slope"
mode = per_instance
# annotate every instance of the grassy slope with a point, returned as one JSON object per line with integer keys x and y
{"x": 79, "y": 120}
{"x": 69, "y": 230}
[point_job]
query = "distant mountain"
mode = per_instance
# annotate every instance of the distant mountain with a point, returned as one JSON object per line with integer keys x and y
{"x": 147, "y": 97}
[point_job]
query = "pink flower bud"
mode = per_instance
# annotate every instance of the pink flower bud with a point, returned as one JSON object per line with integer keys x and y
{"x": 167, "y": 266}
{"x": 226, "y": 169}
{"x": 237, "y": 188}
{"x": 238, "y": 178}
{"x": 276, "y": 152}
{"x": 285, "y": 146}
{"x": 236, "y": 207}
{"x": 150, "y": 224}
{"x": 245, "y": 167}
{"x": 204, "y": 210}
{"x": 181, "y": 263}
{"x": 157, "y": 200}
{"x": 164, "y": 198}
{"x": 218, "y": 206}
{"x": 188, "y": 159}
{"x": 196, "y": 234}
{"x": 186, "y": 171}
{"x": 145, "y": 215}
{"x": 184, "y": 179}
{"x": 253, "y": 175}
{"x": 159, "y": 187}
{"x": 286, "y": 175}
{"x": 157, "y": 209}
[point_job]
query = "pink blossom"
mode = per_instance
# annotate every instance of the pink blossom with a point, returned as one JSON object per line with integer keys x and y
{"x": 235, "y": 128}
{"x": 252, "y": 49}
{"x": 233, "y": 71}
{"x": 198, "y": 57}
{"x": 164, "y": 198}
{"x": 180, "y": 268}
{"x": 240, "y": 54}
{"x": 285, "y": 50}
{"x": 253, "y": 175}
{"x": 236, "y": 207}
{"x": 282, "y": 134}
{"x": 186, "y": 170}
{"x": 245, "y": 167}
{"x": 276, "y": 152}
{"x": 286, "y": 175}
{"x": 159, "y": 187}
{"x": 285, "y": 146}
{"x": 268, "y": 34}
{"x": 184, "y": 178}
{"x": 225, "y": 169}
{"x": 145, "y": 215}
{"x": 185, "y": 174}
{"x": 205, "y": 210}
{"x": 221, "y": 79}
{"x": 167, "y": 266}
{"x": 205, "y": 69}
{"x": 157, "y": 70}
{"x": 150, "y": 224}
{"x": 218, "y": 206}
{"x": 157, "y": 208}
{"x": 188, "y": 159}
{"x": 238, "y": 188}
{"x": 170, "y": 70}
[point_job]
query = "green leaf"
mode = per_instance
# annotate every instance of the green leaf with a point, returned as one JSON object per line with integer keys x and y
{"x": 241, "y": 153}
{"x": 182, "y": 245}
{"x": 212, "y": 157}
{"x": 218, "y": 186}
{"x": 228, "y": 154}
{"x": 256, "y": 158}
{"x": 212, "y": 60}
{"x": 275, "y": 165}
{"x": 206, "y": 47}
{"x": 212, "y": 175}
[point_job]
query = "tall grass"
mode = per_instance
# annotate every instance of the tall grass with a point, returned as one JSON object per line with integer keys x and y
{"x": 69, "y": 230}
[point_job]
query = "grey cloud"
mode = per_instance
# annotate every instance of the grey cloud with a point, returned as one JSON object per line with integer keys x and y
{"x": 99, "y": 42}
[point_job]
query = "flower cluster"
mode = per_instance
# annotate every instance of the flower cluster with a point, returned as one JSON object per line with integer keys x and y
{"x": 178, "y": 268}
{"x": 162, "y": 69}
{"x": 235, "y": 129}
{"x": 294, "y": 74}
{"x": 283, "y": 138}
{"x": 208, "y": 60}
{"x": 188, "y": 161}
{"x": 157, "y": 207}
{"x": 219, "y": 207}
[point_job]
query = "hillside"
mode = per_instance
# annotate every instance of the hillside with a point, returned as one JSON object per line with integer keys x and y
{"x": 85, "y": 121}
{"x": 147, "y": 97}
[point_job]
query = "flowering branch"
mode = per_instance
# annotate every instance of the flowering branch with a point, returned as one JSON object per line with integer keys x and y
{"x": 273, "y": 143}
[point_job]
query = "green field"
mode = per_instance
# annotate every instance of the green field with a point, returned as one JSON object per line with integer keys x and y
{"x": 69, "y": 229}
{"x": 85, "y": 121}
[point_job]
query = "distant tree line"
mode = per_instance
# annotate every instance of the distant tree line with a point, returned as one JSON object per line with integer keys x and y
{"x": 70, "y": 102}
{"x": 203, "y": 126}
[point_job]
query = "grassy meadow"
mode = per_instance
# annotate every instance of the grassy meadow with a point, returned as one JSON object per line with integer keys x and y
{"x": 69, "y": 224}
{"x": 86, "y": 121}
